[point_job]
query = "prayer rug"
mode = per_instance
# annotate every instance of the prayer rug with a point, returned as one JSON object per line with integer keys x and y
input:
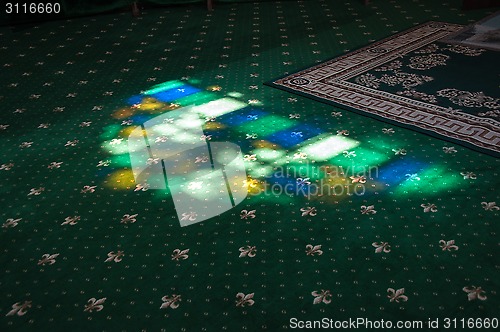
{"x": 411, "y": 79}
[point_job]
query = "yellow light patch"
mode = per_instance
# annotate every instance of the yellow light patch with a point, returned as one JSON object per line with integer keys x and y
{"x": 213, "y": 125}
{"x": 124, "y": 113}
{"x": 128, "y": 131}
{"x": 214, "y": 88}
{"x": 122, "y": 179}
{"x": 263, "y": 144}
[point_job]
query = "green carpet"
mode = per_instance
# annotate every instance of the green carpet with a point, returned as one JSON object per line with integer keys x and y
{"x": 409, "y": 234}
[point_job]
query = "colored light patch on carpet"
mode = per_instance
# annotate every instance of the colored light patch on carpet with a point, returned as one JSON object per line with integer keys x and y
{"x": 266, "y": 125}
{"x": 360, "y": 160}
{"x": 242, "y": 116}
{"x": 431, "y": 181}
{"x": 219, "y": 107}
{"x": 175, "y": 93}
{"x": 163, "y": 87}
{"x": 294, "y": 135}
{"x": 326, "y": 147}
{"x": 198, "y": 98}
{"x": 394, "y": 172}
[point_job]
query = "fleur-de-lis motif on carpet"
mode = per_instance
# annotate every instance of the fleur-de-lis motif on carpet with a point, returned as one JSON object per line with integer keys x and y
{"x": 343, "y": 132}
{"x": 311, "y": 211}
{"x": 205, "y": 137}
{"x": 72, "y": 143}
{"x": 429, "y": 207}
{"x": 115, "y": 256}
{"x": 152, "y": 161}
{"x": 142, "y": 187}
{"x": 399, "y": 152}
{"x": 449, "y": 149}
{"x": 191, "y": 216}
{"x": 368, "y": 209}
{"x": 245, "y": 214}
{"x": 448, "y": 245}
{"x": 170, "y": 301}
{"x": 490, "y": 206}
{"x": 48, "y": 259}
{"x": 243, "y": 300}
{"x": 36, "y": 191}
{"x": 412, "y": 177}
{"x": 55, "y": 164}
{"x": 249, "y": 157}
{"x": 19, "y": 309}
{"x": 6, "y": 167}
{"x": 71, "y": 220}
{"x": 129, "y": 218}
{"x": 195, "y": 185}
{"x": 396, "y": 295}
{"x": 303, "y": 182}
{"x": 250, "y": 183}
{"x": 381, "y": 247}
{"x": 358, "y": 179}
{"x": 161, "y": 139}
{"x": 103, "y": 163}
{"x": 300, "y": 155}
{"x": 314, "y": 250}
{"x": 349, "y": 154}
{"x": 249, "y": 251}
{"x": 474, "y": 293}
{"x": 26, "y": 144}
{"x": 180, "y": 254}
{"x": 11, "y": 222}
{"x": 468, "y": 175}
{"x": 201, "y": 159}
{"x": 88, "y": 189}
{"x": 388, "y": 131}
{"x": 322, "y": 296}
{"x": 94, "y": 304}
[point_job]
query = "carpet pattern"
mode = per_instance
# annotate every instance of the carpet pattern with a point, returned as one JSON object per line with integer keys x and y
{"x": 411, "y": 80}
{"x": 409, "y": 230}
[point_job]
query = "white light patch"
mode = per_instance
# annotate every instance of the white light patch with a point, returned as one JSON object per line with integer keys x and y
{"x": 329, "y": 147}
{"x": 189, "y": 123}
{"x": 261, "y": 171}
{"x": 235, "y": 94}
{"x": 268, "y": 154}
{"x": 219, "y": 107}
{"x": 164, "y": 129}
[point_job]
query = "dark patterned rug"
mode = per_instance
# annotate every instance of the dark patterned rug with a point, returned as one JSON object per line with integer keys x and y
{"x": 413, "y": 80}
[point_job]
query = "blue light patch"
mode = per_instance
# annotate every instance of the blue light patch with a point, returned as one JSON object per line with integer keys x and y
{"x": 137, "y": 99}
{"x": 141, "y": 118}
{"x": 176, "y": 93}
{"x": 293, "y": 136}
{"x": 395, "y": 172}
{"x": 241, "y": 116}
